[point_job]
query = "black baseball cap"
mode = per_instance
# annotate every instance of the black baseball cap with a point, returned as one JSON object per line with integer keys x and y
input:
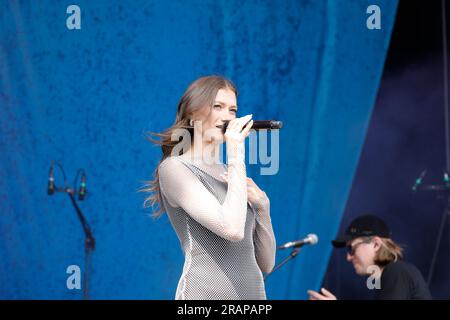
{"x": 363, "y": 226}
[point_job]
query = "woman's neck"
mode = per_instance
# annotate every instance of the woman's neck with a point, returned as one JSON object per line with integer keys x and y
{"x": 207, "y": 153}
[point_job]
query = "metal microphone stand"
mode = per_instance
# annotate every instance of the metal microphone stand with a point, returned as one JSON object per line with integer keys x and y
{"x": 89, "y": 243}
{"x": 293, "y": 254}
{"x": 438, "y": 188}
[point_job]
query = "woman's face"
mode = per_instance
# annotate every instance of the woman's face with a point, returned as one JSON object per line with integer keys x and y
{"x": 224, "y": 108}
{"x": 361, "y": 253}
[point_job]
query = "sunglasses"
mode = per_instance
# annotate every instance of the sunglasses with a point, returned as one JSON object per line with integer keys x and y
{"x": 351, "y": 249}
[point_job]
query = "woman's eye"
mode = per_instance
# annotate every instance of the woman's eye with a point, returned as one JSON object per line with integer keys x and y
{"x": 217, "y": 106}
{"x": 234, "y": 111}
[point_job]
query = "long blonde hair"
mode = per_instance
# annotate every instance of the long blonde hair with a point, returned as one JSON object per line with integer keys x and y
{"x": 200, "y": 93}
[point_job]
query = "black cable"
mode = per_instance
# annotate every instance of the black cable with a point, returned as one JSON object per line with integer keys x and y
{"x": 62, "y": 170}
{"x": 75, "y": 181}
{"x": 445, "y": 73}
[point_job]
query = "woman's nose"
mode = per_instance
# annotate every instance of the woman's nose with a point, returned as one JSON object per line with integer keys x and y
{"x": 227, "y": 116}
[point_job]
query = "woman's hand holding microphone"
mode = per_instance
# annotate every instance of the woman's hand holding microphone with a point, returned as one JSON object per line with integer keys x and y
{"x": 238, "y": 129}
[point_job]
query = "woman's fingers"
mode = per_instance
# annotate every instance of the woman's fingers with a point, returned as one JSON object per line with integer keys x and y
{"x": 243, "y": 121}
{"x": 238, "y": 123}
{"x": 247, "y": 128}
{"x": 235, "y": 132}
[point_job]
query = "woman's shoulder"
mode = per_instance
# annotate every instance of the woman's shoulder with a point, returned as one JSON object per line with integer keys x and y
{"x": 182, "y": 163}
{"x": 171, "y": 169}
{"x": 171, "y": 162}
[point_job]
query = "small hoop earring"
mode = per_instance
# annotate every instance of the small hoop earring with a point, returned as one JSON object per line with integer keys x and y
{"x": 191, "y": 122}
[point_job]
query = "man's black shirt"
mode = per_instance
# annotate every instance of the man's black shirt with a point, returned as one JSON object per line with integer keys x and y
{"x": 402, "y": 281}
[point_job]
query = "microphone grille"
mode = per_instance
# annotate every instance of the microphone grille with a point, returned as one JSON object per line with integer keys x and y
{"x": 313, "y": 238}
{"x": 276, "y": 124}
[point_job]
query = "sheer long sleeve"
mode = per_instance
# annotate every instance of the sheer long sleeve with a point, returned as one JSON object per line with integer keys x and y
{"x": 183, "y": 189}
{"x": 264, "y": 237}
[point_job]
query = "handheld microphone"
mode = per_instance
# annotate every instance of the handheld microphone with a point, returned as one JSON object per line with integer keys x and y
{"x": 51, "y": 182}
{"x": 259, "y": 124}
{"x": 311, "y": 239}
{"x": 82, "y": 191}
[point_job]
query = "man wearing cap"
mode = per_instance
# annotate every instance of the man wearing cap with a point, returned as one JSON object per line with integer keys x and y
{"x": 373, "y": 253}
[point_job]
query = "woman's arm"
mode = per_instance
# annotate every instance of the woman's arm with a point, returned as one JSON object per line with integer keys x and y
{"x": 182, "y": 188}
{"x": 264, "y": 238}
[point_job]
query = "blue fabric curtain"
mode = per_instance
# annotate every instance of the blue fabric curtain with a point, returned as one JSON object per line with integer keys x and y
{"x": 86, "y": 98}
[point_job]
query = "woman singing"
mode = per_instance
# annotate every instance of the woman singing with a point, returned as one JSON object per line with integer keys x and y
{"x": 221, "y": 217}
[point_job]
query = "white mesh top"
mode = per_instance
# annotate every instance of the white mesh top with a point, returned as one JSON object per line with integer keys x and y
{"x": 227, "y": 242}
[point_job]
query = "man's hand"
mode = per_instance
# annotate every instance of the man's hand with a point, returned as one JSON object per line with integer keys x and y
{"x": 324, "y": 295}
